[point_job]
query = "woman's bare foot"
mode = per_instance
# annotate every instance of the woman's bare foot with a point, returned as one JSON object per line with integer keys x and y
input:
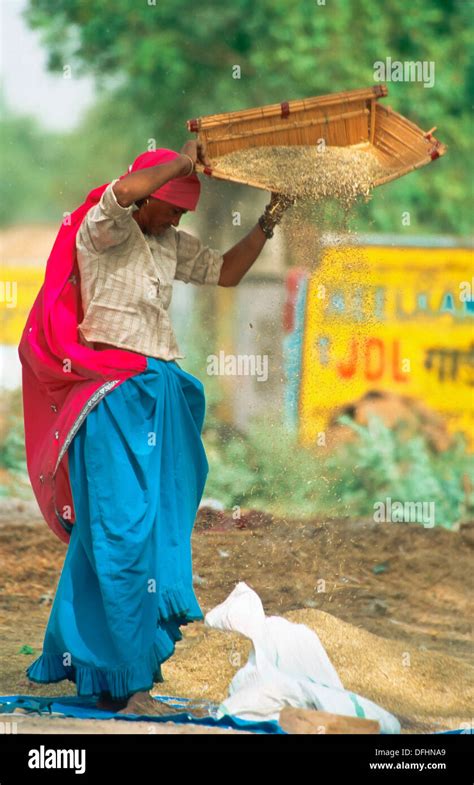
{"x": 143, "y": 703}
{"x": 107, "y": 703}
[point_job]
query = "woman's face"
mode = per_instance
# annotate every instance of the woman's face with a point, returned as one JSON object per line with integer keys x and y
{"x": 155, "y": 216}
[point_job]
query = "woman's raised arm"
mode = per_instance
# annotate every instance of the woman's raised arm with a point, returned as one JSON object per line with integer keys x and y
{"x": 140, "y": 184}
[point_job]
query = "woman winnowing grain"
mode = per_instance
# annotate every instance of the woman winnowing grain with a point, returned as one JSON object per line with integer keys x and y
{"x": 113, "y": 425}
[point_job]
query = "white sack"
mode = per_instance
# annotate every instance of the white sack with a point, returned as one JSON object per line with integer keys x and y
{"x": 287, "y": 666}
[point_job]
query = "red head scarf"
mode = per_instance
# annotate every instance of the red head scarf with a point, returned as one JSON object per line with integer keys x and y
{"x": 182, "y": 192}
{"x": 62, "y": 379}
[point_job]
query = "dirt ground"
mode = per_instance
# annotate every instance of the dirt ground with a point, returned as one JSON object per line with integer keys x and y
{"x": 392, "y": 604}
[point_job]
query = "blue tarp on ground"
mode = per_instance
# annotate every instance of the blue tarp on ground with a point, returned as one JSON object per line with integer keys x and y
{"x": 459, "y": 730}
{"x": 85, "y": 708}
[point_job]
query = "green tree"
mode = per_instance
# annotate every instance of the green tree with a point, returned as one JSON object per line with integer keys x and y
{"x": 158, "y": 65}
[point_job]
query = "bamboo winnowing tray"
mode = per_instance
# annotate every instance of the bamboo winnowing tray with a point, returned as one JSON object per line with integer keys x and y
{"x": 354, "y": 118}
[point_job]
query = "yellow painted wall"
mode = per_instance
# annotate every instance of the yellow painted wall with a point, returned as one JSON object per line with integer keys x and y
{"x": 384, "y": 318}
{"x": 18, "y": 289}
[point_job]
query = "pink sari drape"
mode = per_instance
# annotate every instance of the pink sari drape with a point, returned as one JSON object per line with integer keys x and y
{"x": 62, "y": 378}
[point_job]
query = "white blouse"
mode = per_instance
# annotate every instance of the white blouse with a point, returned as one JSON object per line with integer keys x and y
{"x": 127, "y": 278}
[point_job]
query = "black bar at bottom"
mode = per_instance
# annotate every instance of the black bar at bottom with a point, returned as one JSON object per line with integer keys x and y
{"x": 131, "y": 758}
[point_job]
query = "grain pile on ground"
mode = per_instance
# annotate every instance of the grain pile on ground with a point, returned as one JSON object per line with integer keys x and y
{"x": 304, "y": 172}
{"x": 401, "y": 636}
{"x": 427, "y": 691}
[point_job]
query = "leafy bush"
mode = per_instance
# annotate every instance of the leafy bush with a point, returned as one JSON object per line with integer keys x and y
{"x": 270, "y": 470}
{"x": 12, "y": 447}
{"x": 14, "y": 478}
{"x": 383, "y": 463}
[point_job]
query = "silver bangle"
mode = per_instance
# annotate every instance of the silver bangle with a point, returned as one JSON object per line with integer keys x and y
{"x": 192, "y": 165}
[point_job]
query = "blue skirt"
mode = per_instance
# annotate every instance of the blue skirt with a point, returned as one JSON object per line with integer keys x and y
{"x": 137, "y": 469}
